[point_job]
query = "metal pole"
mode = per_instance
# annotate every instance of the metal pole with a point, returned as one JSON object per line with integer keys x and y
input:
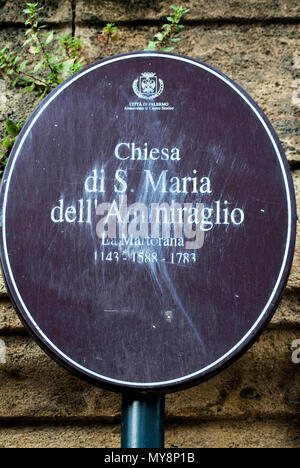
{"x": 143, "y": 421}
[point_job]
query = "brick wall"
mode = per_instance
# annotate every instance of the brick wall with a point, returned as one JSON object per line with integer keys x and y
{"x": 255, "y": 403}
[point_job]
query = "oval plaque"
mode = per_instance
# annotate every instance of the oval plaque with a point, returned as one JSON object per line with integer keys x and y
{"x": 148, "y": 222}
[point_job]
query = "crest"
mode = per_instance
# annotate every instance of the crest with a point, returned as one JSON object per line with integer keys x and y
{"x": 148, "y": 86}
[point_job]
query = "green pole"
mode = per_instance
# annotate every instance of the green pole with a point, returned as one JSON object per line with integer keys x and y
{"x": 143, "y": 421}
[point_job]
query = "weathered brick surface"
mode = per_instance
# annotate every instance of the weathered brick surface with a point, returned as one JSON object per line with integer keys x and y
{"x": 9, "y": 321}
{"x": 58, "y": 11}
{"x": 91, "y": 435}
{"x": 55, "y": 11}
{"x": 208, "y": 434}
{"x": 235, "y": 434}
{"x": 294, "y": 279}
{"x": 3, "y": 291}
{"x": 288, "y": 312}
{"x": 32, "y": 385}
{"x": 261, "y": 384}
{"x": 120, "y": 10}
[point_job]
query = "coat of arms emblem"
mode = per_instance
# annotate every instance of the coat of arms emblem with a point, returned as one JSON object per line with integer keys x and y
{"x": 148, "y": 86}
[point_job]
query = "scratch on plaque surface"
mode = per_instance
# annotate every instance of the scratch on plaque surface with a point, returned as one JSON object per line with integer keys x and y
{"x": 158, "y": 271}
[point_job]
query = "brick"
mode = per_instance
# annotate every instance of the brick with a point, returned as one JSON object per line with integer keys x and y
{"x": 3, "y": 292}
{"x": 288, "y": 312}
{"x": 234, "y": 434}
{"x": 218, "y": 10}
{"x": 263, "y": 383}
{"x": 33, "y": 385}
{"x": 74, "y": 435}
{"x": 260, "y": 383}
{"x": 55, "y": 11}
{"x": 294, "y": 279}
{"x": 208, "y": 434}
{"x": 9, "y": 321}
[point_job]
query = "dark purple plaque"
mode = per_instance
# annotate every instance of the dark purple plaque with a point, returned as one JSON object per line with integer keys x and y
{"x": 148, "y": 222}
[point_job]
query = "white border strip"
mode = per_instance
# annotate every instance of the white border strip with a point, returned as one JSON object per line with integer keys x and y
{"x": 60, "y": 90}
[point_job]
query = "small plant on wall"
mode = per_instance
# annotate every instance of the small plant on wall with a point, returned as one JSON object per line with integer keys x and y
{"x": 47, "y": 59}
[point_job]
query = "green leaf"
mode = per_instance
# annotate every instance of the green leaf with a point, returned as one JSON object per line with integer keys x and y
{"x": 25, "y": 43}
{"x": 7, "y": 143}
{"x": 15, "y": 82}
{"x": 169, "y": 18}
{"x": 12, "y": 128}
{"x": 151, "y": 45}
{"x": 38, "y": 67}
{"x": 30, "y": 88}
{"x": 175, "y": 39}
{"x": 167, "y": 49}
{"x": 49, "y": 38}
{"x": 67, "y": 64}
{"x": 174, "y": 7}
{"x": 23, "y": 65}
{"x": 159, "y": 36}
